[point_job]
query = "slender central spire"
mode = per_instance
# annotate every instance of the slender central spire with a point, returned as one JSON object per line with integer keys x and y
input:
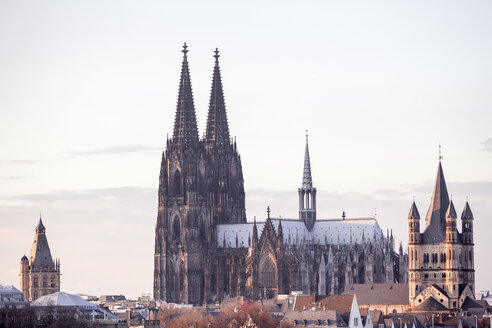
{"x": 185, "y": 128}
{"x": 217, "y": 135}
{"x": 307, "y": 181}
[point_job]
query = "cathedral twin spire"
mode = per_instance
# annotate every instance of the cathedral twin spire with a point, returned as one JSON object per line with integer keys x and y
{"x": 185, "y": 134}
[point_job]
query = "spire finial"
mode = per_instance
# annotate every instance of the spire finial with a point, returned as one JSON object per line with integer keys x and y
{"x": 216, "y": 56}
{"x": 307, "y": 136}
{"x": 440, "y": 154}
{"x": 268, "y": 211}
{"x": 185, "y": 49}
{"x": 414, "y": 198}
{"x": 467, "y": 199}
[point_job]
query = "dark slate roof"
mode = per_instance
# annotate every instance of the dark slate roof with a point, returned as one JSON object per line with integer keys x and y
{"x": 435, "y": 230}
{"x": 467, "y": 213}
{"x": 472, "y": 304}
{"x": 414, "y": 212}
{"x": 430, "y": 304}
{"x": 40, "y": 257}
{"x": 378, "y": 293}
{"x": 451, "y": 212}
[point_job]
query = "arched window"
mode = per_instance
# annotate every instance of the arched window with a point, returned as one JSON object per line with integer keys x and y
{"x": 53, "y": 281}
{"x": 45, "y": 281}
{"x": 267, "y": 273}
{"x": 35, "y": 282}
{"x": 177, "y": 183}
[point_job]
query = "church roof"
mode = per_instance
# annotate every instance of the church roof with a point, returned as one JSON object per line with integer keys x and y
{"x": 40, "y": 257}
{"x": 378, "y": 293}
{"x": 436, "y": 215}
{"x": 467, "y": 213}
{"x": 185, "y": 133}
{"x": 324, "y": 232}
{"x": 217, "y": 133}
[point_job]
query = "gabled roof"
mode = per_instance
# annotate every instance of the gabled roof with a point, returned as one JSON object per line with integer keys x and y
{"x": 436, "y": 215}
{"x": 430, "y": 304}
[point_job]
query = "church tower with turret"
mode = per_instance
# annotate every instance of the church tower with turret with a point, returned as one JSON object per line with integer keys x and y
{"x": 39, "y": 274}
{"x": 200, "y": 185}
{"x": 441, "y": 271}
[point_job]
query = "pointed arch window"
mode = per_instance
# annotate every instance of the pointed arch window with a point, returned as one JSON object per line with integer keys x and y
{"x": 267, "y": 273}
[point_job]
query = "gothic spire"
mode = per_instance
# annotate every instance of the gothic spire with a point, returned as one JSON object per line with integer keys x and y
{"x": 217, "y": 134}
{"x": 436, "y": 215}
{"x": 440, "y": 200}
{"x": 307, "y": 181}
{"x": 185, "y": 133}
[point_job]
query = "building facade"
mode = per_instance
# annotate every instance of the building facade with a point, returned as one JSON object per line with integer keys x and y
{"x": 205, "y": 250}
{"x": 39, "y": 274}
{"x": 441, "y": 259}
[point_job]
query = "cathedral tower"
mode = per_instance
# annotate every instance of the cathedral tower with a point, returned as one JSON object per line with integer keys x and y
{"x": 200, "y": 185}
{"x": 307, "y": 194}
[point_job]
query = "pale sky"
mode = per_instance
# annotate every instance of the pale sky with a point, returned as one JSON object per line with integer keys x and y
{"x": 88, "y": 93}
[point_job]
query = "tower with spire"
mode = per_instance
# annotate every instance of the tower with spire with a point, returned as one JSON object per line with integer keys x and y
{"x": 307, "y": 194}
{"x": 441, "y": 268}
{"x": 40, "y": 273}
{"x": 200, "y": 185}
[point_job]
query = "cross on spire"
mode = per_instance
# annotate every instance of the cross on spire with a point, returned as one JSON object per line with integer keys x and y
{"x": 185, "y": 49}
{"x": 307, "y": 135}
{"x": 216, "y": 56}
{"x": 440, "y": 155}
{"x": 268, "y": 211}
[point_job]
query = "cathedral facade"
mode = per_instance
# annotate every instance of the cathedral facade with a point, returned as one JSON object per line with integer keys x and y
{"x": 441, "y": 259}
{"x": 39, "y": 274}
{"x": 205, "y": 250}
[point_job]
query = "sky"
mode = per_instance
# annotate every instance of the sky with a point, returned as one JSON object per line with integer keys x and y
{"x": 88, "y": 93}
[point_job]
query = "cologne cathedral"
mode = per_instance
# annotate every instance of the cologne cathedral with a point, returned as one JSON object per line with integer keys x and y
{"x": 206, "y": 250}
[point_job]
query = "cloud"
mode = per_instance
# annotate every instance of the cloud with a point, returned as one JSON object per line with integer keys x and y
{"x": 16, "y": 177}
{"x": 89, "y": 195}
{"x": 24, "y": 161}
{"x": 487, "y": 145}
{"x": 116, "y": 149}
